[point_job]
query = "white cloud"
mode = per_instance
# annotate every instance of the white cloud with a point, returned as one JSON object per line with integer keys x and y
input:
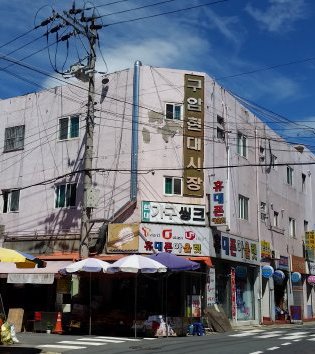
{"x": 280, "y": 16}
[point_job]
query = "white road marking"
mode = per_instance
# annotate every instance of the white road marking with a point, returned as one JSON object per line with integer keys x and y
{"x": 273, "y": 348}
{"x": 286, "y": 343}
{"x": 256, "y": 353}
{"x": 293, "y": 336}
{"x": 56, "y": 346}
{"x": 247, "y": 333}
{"x": 312, "y": 339}
{"x": 149, "y": 338}
{"x": 75, "y": 342}
{"x": 296, "y": 340}
{"x": 101, "y": 340}
{"x": 270, "y": 335}
{"x": 119, "y": 338}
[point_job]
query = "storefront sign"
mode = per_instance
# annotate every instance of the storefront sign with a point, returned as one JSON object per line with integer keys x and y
{"x": 236, "y": 248}
{"x": 310, "y": 240}
{"x": 267, "y": 271}
{"x": 265, "y": 249}
{"x": 173, "y": 213}
{"x": 311, "y": 266}
{"x": 217, "y": 204}
{"x": 123, "y": 238}
{"x": 311, "y": 280}
{"x": 298, "y": 264}
{"x": 283, "y": 263}
{"x": 296, "y": 277}
{"x": 210, "y": 287}
{"x": 278, "y": 276}
{"x": 193, "y": 133}
{"x": 184, "y": 240}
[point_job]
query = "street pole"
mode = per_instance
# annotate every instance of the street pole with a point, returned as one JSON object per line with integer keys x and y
{"x": 88, "y": 152}
{"x": 89, "y": 30}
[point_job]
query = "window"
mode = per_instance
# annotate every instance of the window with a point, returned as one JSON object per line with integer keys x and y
{"x": 243, "y": 207}
{"x": 305, "y": 226}
{"x": 303, "y": 182}
{"x": 241, "y": 144}
{"x": 273, "y": 161}
{"x": 14, "y": 138}
{"x": 69, "y": 127}
{"x": 275, "y": 219}
{"x": 261, "y": 153}
{"x": 172, "y": 186}
{"x": 65, "y": 195}
{"x": 263, "y": 211}
{"x": 292, "y": 228}
{"x": 220, "y": 134}
{"x": 290, "y": 175}
{"x": 11, "y": 200}
{"x": 173, "y": 111}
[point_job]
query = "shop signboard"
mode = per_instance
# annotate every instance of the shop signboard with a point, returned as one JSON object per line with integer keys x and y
{"x": 181, "y": 240}
{"x": 298, "y": 264}
{"x": 311, "y": 266}
{"x": 238, "y": 249}
{"x": 217, "y": 204}
{"x": 173, "y": 213}
{"x": 210, "y": 287}
{"x": 123, "y": 238}
{"x": 282, "y": 263}
{"x": 311, "y": 280}
{"x": 193, "y": 136}
{"x": 265, "y": 249}
{"x": 310, "y": 240}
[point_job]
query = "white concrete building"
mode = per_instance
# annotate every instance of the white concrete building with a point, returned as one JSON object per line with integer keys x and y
{"x": 201, "y": 176}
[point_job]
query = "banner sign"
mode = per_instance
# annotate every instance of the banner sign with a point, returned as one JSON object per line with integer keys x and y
{"x": 173, "y": 213}
{"x": 193, "y": 136}
{"x": 180, "y": 240}
{"x": 298, "y": 264}
{"x": 217, "y": 204}
{"x": 123, "y": 238}
{"x": 236, "y": 248}
{"x": 210, "y": 287}
{"x": 265, "y": 249}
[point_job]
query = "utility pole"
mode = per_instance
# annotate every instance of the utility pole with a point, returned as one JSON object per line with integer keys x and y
{"x": 86, "y": 74}
{"x": 88, "y": 152}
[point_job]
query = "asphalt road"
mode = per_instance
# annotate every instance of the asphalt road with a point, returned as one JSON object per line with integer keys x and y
{"x": 258, "y": 340}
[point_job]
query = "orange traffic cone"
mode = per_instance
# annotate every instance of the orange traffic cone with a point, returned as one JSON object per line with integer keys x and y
{"x": 58, "y": 326}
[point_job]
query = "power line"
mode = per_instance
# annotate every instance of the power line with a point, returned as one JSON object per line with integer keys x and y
{"x": 166, "y": 13}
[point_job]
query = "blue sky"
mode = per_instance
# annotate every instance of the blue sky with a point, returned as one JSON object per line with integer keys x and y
{"x": 227, "y": 40}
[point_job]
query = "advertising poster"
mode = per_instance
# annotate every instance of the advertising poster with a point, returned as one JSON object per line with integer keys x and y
{"x": 123, "y": 238}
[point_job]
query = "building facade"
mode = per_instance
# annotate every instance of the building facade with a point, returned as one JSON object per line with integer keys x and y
{"x": 179, "y": 165}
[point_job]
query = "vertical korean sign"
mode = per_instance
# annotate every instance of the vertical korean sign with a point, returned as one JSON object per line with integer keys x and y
{"x": 193, "y": 144}
{"x": 217, "y": 204}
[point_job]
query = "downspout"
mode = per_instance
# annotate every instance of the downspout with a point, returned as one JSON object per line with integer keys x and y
{"x": 135, "y": 123}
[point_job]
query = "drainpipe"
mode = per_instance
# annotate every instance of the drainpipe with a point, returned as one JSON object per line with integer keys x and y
{"x": 134, "y": 141}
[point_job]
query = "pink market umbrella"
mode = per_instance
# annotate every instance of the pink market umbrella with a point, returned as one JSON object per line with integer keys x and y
{"x": 136, "y": 264}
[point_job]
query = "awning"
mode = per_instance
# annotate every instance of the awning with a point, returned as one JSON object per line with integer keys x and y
{"x": 32, "y": 275}
{"x": 206, "y": 260}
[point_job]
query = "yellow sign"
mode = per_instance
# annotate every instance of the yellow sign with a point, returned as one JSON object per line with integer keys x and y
{"x": 310, "y": 240}
{"x": 123, "y": 238}
{"x": 265, "y": 249}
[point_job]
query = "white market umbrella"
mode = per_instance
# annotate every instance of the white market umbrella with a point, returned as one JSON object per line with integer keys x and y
{"x": 89, "y": 265}
{"x": 136, "y": 264}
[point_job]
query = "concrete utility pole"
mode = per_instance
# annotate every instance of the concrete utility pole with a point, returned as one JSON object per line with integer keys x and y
{"x": 86, "y": 74}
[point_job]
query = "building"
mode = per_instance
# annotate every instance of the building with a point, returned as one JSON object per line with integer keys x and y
{"x": 179, "y": 165}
